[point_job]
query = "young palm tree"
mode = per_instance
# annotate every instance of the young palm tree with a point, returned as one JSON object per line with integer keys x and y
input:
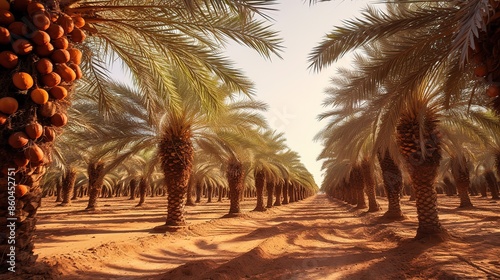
{"x": 420, "y": 145}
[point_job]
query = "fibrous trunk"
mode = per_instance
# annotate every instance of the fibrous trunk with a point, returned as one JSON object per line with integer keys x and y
{"x": 460, "y": 173}
{"x": 59, "y": 191}
{"x": 356, "y": 181}
{"x": 189, "y": 195}
{"x": 260, "y": 180}
{"x": 143, "y": 188}
{"x": 366, "y": 170}
{"x": 494, "y": 192}
{"x": 269, "y": 189}
{"x": 491, "y": 181}
{"x": 235, "y": 177}
{"x": 419, "y": 144}
{"x": 132, "y": 187}
{"x": 198, "y": 192}
{"x": 221, "y": 190}
{"x": 29, "y": 122}
{"x": 393, "y": 183}
{"x": 75, "y": 192}
{"x": 291, "y": 193}
{"x": 278, "y": 188}
{"x": 209, "y": 193}
{"x": 285, "y": 192}
{"x": 96, "y": 178}
{"x": 176, "y": 152}
{"x": 449, "y": 186}
{"x": 68, "y": 185}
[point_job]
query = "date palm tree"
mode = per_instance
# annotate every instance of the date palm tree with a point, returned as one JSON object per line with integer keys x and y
{"x": 269, "y": 164}
{"x": 234, "y": 145}
{"x": 149, "y": 38}
{"x": 175, "y": 133}
{"x": 206, "y": 172}
{"x": 350, "y": 108}
{"x": 465, "y": 135}
{"x": 408, "y": 58}
{"x": 176, "y": 147}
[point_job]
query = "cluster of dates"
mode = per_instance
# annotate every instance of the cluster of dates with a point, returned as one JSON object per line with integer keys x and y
{"x": 486, "y": 54}
{"x": 39, "y": 61}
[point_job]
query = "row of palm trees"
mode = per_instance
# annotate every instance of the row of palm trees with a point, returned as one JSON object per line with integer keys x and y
{"x": 155, "y": 40}
{"x": 414, "y": 100}
{"x": 230, "y": 146}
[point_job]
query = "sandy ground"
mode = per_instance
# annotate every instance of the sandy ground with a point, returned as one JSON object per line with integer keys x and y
{"x": 313, "y": 239}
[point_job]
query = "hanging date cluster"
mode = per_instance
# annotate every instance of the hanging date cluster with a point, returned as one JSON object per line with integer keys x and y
{"x": 39, "y": 61}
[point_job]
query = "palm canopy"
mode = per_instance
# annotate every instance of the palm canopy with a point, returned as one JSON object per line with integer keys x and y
{"x": 375, "y": 112}
{"x": 133, "y": 130}
{"x": 207, "y": 171}
{"x": 458, "y": 22}
{"x": 151, "y": 37}
{"x": 418, "y": 39}
{"x": 267, "y": 157}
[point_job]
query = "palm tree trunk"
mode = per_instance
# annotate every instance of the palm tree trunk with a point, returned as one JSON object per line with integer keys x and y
{"x": 198, "y": 192}
{"x": 353, "y": 194}
{"x": 143, "y": 188}
{"x": 291, "y": 192}
{"x": 117, "y": 189}
{"x": 75, "y": 192}
{"x": 366, "y": 170}
{"x": 59, "y": 191}
{"x": 260, "y": 180}
{"x": 393, "y": 183}
{"x": 20, "y": 216}
{"x": 132, "y": 187}
{"x": 68, "y": 186}
{"x": 494, "y": 193}
{"x": 356, "y": 181}
{"x": 450, "y": 187}
{"x": 285, "y": 192}
{"x": 422, "y": 167}
{"x": 483, "y": 189}
{"x": 269, "y": 188}
{"x": 235, "y": 177}
{"x": 278, "y": 188}
{"x": 460, "y": 173}
{"x": 189, "y": 198}
{"x": 491, "y": 181}
{"x": 210, "y": 193}
{"x": 221, "y": 191}
{"x": 96, "y": 178}
{"x": 177, "y": 152}
{"x": 154, "y": 190}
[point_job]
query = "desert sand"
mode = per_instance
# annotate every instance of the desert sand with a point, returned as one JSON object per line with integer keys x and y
{"x": 316, "y": 238}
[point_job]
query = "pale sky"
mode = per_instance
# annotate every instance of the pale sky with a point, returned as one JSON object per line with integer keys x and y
{"x": 293, "y": 92}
